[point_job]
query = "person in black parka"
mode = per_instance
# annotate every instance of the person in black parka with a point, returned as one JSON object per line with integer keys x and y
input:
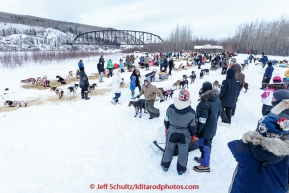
{"x": 83, "y": 84}
{"x": 171, "y": 66}
{"x": 229, "y": 93}
{"x": 100, "y": 68}
{"x": 208, "y": 112}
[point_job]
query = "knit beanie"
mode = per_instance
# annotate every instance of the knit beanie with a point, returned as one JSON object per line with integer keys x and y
{"x": 281, "y": 94}
{"x": 277, "y": 80}
{"x": 272, "y": 126}
{"x": 184, "y": 95}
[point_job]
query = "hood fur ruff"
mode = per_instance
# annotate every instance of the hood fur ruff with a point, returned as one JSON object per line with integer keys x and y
{"x": 181, "y": 104}
{"x": 208, "y": 94}
{"x": 273, "y": 145}
{"x": 283, "y": 105}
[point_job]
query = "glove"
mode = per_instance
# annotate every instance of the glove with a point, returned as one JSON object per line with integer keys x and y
{"x": 166, "y": 130}
{"x": 137, "y": 97}
{"x": 193, "y": 139}
{"x": 162, "y": 101}
{"x": 197, "y": 135}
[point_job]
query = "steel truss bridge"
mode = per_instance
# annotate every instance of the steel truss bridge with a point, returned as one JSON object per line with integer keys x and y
{"x": 115, "y": 38}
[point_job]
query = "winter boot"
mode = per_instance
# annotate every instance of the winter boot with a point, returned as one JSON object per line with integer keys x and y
{"x": 165, "y": 169}
{"x": 132, "y": 95}
{"x": 197, "y": 159}
{"x": 82, "y": 95}
{"x": 85, "y": 95}
{"x": 201, "y": 168}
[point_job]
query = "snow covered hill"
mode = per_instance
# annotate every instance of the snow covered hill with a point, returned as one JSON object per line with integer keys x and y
{"x": 19, "y": 37}
{"x": 67, "y": 146}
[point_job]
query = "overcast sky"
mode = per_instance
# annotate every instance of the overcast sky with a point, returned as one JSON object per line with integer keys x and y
{"x": 207, "y": 18}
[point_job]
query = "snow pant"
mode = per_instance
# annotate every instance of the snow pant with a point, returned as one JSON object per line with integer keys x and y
{"x": 84, "y": 92}
{"x": 117, "y": 95}
{"x": 182, "y": 139}
{"x": 149, "y": 104}
{"x": 254, "y": 60}
{"x": 170, "y": 70}
{"x": 250, "y": 60}
{"x": 224, "y": 70}
{"x": 266, "y": 109}
{"x": 109, "y": 72}
{"x": 205, "y": 146}
{"x": 233, "y": 110}
{"x": 265, "y": 82}
{"x": 121, "y": 70}
{"x": 132, "y": 94}
{"x": 147, "y": 66}
{"x": 226, "y": 114}
{"x": 220, "y": 64}
{"x": 100, "y": 76}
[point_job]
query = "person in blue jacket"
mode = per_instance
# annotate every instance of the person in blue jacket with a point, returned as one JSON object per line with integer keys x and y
{"x": 264, "y": 60}
{"x": 267, "y": 75}
{"x": 262, "y": 157}
{"x": 80, "y": 64}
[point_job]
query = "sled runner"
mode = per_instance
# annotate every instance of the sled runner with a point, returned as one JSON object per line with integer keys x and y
{"x": 160, "y": 150}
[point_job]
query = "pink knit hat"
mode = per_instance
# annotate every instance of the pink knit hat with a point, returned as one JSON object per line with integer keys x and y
{"x": 277, "y": 80}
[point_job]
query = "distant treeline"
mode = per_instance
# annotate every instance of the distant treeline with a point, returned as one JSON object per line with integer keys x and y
{"x": 271, "y": 37}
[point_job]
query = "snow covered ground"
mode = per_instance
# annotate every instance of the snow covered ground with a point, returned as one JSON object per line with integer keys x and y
{"x": 67, "y": 146}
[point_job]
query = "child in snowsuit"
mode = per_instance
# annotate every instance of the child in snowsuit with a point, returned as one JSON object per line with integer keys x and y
{"x": 180, "y": 124}
{"x": 268, "y": 94}
{"x": 121, "y": 65}
{"x": 132, "y": 86}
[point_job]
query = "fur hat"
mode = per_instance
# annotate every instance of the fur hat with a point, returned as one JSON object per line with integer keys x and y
{"x": 206, "y": 86}
{"x": 184, "y": 95}
{"x": 277, "y": 80}
{"x": 272, "y": 126}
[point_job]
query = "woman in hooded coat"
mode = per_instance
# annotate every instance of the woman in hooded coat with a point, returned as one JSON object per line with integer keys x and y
{"x": 241, "y": 78}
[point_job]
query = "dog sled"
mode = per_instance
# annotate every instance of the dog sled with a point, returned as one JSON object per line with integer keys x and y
{"x": 159, "y": 148}
{"x": 163, "y": 75}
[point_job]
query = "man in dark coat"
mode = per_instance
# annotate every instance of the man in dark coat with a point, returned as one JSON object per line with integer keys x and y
{"x": 267, "y": 75}
{"x": 180, "y": 123}
{"x": 171, "y": 66}
{"x": 164, "y": 64}
{"x": 208, "y": 112}
{"x": 200, "y": 61}
{"x": 83, "y": 84}
{"x": 100, "y": 68}
{"x": 262, "y": 157}
{"x": 229, "y": 93}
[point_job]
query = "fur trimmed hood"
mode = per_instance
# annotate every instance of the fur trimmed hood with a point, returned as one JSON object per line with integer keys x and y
{"x": 271, "y": 150}
{"x": 280, "y": 107}
{"x": 209, "y": 94}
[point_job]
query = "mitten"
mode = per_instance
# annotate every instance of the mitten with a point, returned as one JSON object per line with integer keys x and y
{"x": 166, "y": 130}
{"x": 137, "y": 96}
{"x": 193, "y": 139}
